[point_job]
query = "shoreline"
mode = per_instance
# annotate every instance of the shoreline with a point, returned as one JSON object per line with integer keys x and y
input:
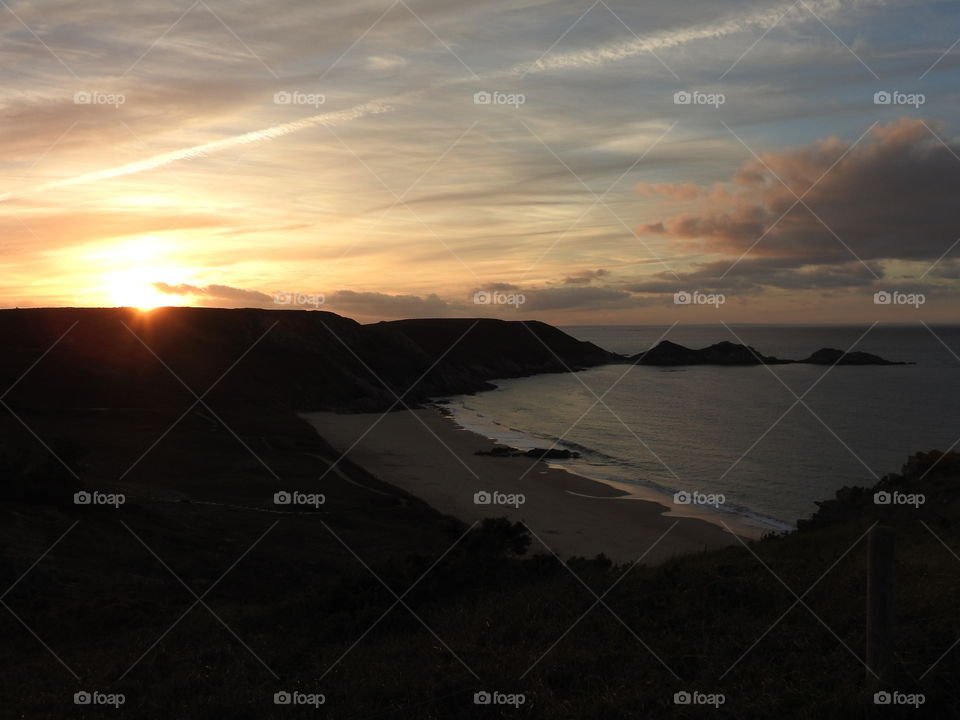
{"x": 425, "y": 453}
{"x": 743, "y": 521}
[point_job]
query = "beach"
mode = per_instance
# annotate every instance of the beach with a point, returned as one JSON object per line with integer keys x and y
{"x": 426, "y": 454}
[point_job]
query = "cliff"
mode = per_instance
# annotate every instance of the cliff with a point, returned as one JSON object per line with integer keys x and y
{"x": 294, "y": 359}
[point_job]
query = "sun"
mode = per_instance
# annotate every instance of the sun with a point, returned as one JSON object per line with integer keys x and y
{"x": 137, "y": 295}
{"x": 135, "y": 268}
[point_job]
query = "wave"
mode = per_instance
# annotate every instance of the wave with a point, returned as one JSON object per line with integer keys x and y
{"x": 472, "y": 419}
{"x": 592, "y": 463}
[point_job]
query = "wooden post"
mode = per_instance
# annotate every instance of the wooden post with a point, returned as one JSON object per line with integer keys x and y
{"x": 880, "y": 607}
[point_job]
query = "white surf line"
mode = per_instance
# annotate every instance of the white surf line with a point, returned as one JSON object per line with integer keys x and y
{"x": 609, "y": 497}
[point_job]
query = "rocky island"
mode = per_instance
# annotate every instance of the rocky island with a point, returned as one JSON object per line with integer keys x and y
{"x": 667, "y": 353}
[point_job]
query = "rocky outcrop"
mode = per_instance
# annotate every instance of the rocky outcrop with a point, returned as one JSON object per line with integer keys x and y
{"x": 667, "y": 353}
{"x": 539, "y": 453}
{"x": 831, "y": 356}
{"x": 722, "y": 353}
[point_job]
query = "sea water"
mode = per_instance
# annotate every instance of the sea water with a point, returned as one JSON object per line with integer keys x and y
{"x": 738, "y": 432}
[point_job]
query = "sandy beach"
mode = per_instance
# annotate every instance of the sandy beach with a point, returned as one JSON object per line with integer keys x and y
{"x": 426, "y": 454}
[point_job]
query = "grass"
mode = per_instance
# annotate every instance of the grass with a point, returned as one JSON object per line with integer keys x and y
{"x": 493, "y": 613}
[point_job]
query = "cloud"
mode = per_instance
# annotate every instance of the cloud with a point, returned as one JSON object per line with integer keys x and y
{"x": 892, "y": 196}
{"x": 755, "y": 275}
{"x": 498, "y": 287}
{"x": 569, "y": 298}
{"x": 220, "y": 293}
{"x": 35, "y": 122}
{"x": 75, "y": 228}
{"x": 683, "y": 192}
{"x": 349, "y": 302}
{"x": 383, "y": 305}
{"x": 585, "y": 277}
{"x": 949, "y": 270}
{"x": 385, "y": 62}
{"x": 602, "y": 54}
{"x": 379, "y": 305}
{"x": 196, "y": 136}
{"x": 156, "y": 161}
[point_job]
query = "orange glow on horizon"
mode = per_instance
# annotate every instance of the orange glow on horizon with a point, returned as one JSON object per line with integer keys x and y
{"x": 132, "y": 267}
{"x": 142, "y": 297}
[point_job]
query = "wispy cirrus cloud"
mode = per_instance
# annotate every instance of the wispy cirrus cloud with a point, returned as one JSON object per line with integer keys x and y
{"x": 592, "y": 57}
{"x": 199, "y": 151}
{"x": 401, "y": 194}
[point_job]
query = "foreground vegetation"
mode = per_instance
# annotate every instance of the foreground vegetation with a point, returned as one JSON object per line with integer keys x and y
{"x": 489, "y": 610}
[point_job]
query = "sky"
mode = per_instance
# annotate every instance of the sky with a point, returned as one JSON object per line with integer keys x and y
{"x": 606, "y": 163}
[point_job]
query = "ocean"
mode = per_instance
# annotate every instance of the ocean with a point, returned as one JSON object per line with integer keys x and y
{"x": 738, "y": 432}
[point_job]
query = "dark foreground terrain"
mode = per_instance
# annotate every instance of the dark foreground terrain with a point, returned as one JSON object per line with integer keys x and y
{"x": 199, "y": 597}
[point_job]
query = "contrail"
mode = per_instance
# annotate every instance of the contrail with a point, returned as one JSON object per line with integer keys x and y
{"x": 601, "y": 55}
{"x": 330, "y": 118}
{"x": 803, "y": 11}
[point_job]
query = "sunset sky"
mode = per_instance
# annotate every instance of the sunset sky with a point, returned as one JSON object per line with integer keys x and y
{"x": 339, "y": 155}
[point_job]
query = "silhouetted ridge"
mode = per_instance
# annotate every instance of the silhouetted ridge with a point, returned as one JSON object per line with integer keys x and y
{"x": 296, "y": 359}
{"x": 500, "y": 348}
{"x": 287, "y": 358}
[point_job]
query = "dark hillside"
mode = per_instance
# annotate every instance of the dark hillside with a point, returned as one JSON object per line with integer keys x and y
{"x": 293, "y": 359}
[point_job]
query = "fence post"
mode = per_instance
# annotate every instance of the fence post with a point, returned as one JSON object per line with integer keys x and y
{"x": 880, "y": 607}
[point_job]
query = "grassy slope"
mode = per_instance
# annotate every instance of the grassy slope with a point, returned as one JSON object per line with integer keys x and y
{"x": 300, "y": 599}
